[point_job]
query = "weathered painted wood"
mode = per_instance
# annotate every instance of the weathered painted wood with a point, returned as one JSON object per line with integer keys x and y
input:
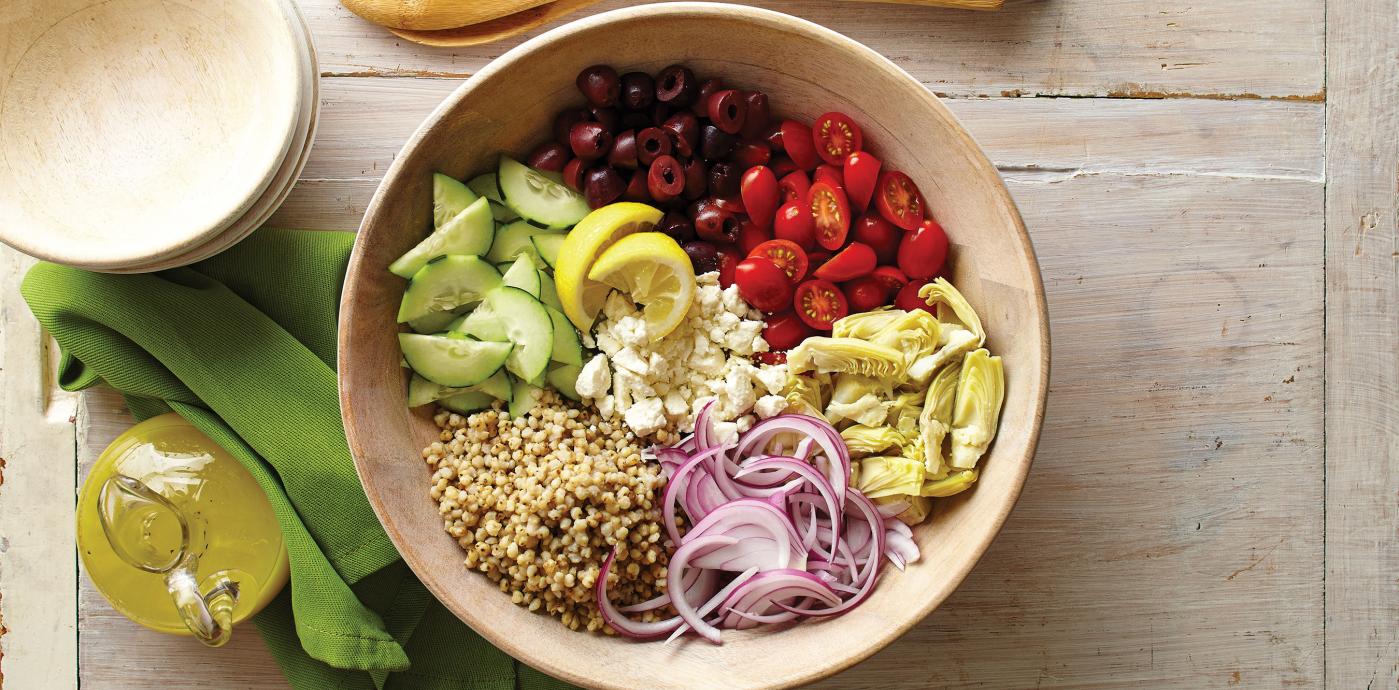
{"x": 1362, "y": 338}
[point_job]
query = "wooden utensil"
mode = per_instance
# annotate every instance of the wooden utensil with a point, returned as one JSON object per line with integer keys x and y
{"x": 427, "y": 15}
{"x": 519, "y": 22}
{"x": 509, "y": 106}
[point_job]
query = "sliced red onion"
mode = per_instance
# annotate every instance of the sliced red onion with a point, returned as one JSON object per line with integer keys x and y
{"x": 679, "y": 561}
{"x": 618, "y": 620}
{"x": 759, "y": 595}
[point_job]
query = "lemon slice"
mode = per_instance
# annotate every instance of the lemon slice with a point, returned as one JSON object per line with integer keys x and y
{"x": 583, "y": 298}
{"x": 655, "y": 272}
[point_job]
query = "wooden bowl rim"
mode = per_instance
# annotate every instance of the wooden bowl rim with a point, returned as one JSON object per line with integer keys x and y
{"x": 1039, "y": 388}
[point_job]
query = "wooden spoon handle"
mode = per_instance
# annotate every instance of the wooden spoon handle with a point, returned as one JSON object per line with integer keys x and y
{"x": 428, "y": 15}
{"x": 964, "y": 4}
{"x": 496, "y": 29}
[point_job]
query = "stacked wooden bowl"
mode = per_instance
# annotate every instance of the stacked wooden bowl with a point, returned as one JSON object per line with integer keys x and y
{"x": 141, "y": 135}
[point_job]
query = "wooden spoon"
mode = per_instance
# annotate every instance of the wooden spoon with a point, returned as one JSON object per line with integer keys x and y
{"x": 428, "y": 15}
{"x": 503, "y": 27}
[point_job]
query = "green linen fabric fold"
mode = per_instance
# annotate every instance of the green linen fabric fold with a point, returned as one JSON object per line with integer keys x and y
{"x": 243, "y": 346}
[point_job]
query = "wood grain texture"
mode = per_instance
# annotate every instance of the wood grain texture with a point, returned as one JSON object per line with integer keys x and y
{"x": 1362, "y": 339}
{"x": 1121, "y": 48}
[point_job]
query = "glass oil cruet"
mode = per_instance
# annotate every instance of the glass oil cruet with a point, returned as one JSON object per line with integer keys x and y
{"x": 176, "y": 534}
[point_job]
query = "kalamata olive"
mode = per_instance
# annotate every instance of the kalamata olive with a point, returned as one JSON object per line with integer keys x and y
{"x": 696, "y": 178}
{"x": 666, "y": 179}
{"x": 660, "y": 112}
{"x": 684, "y": 128}
{"x": 651, "y": 143}
{"x": 638, "y": 90}
{"x": 727, "y": 110}
{"x": 749, "y": 153}
{"x": 706, "y": 89}
{"x": 703, "y": 255}
{"x": 623, "y": 151}
{"x": 602, "y": 186}
{"x": 589, "y": 140}
{"x": 677, "y": 225}
{"x": 715, "y": 143}
{"x": 677, "y": 86}
{"x": 573, "y": 174}
{"x": 600, "y": 85}
{"x": 715, "y": 224}
{"x": 636, "y": 188}
{"x": 757, "y": 115}
{"x": 724, "y": 179}
{"x": 550, "y": 156}
{"x": 607, "y": 117}
{"x": 564, "y": 121}
{"x": 635, "y": 121}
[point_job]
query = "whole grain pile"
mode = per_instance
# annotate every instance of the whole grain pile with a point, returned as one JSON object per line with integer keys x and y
{"x": 539, "y": 501}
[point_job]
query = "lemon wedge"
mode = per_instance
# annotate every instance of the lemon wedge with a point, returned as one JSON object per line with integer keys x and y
{"x": 583, "y": 298}
{"x": 655, "y": 272}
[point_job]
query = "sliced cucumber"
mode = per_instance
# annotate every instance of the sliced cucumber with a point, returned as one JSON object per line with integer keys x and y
{"x": 446, "y": 283}
{"x": 516, "y": 239}
{"x": 449, "y": 197}
{"x": 522, "y": 274}
{"x": 434, "y": 322}
{"x": 485, "y": 185}
{"x": 548, "y": 292}
{"x": 564, "y": 379}
{"x": 470, "y": 232}
{"x": 422, "y": 391}
{"x": 567, "y": 349}
{"x": 511, "y": 314}
{"x": 538, "y": 197}
{"x": 526, "y": 395}
{"x": 454, "y": 362}
{"x": 466, "y": 403}
{"x": 503, "y": 214}
{"x": 548, "y": 247}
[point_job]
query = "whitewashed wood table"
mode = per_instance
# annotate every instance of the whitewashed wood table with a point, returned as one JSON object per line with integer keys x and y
{"x": 1211, "y": 188}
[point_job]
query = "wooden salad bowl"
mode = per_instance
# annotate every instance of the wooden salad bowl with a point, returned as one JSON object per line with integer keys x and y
{"x": 806, "y": 70}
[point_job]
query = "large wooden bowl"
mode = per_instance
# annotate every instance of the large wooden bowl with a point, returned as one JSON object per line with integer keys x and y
{"x": 806, "y": 70}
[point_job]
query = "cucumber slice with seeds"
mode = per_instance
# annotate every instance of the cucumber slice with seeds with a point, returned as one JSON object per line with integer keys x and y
{"x": 511, "y": 314}
{"x": 446, "y": 283}
{"x": 516, "y": 239}
{"x": 503, "y": 214}
{"x": 434, "y": 322}
{"x": 470, "y": 232}
{"x": 548, "y": 292}
{"x": 522, "y": 274}
{"x": 485, "y": 185}
{"x": 453, "y": 362}
{"x": 548, "y": 246}
{"x": 567, "y": 349}
{"x": 466, "y": 403}
{"x": 449, "y": 197}
{"x": 422, "y": 391}
{"x": 539, "y": 197}
{"x": 564, "y": 379}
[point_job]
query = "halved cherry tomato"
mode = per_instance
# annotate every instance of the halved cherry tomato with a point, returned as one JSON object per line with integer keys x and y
{"x": 785, "y": 331}
{"x": 908, "y": 299}
{"x": 831, "y": 212}
{"x": 817, "y": 257}
{"x": 829, "y": 174}
{"x": 761, "y": 195}
{"x": 836, "y": 136}
{"x": 750, "y": 153}
{"x": 787, "y": 255}
{"x": 795, "y": 186}
{"x": 795, "y": 224}
{"x": 770, "y": 357}
{"x": 797, "y": 142}
{"x": 820, "y": 303}
{"x": 852, "y": 262}
{"x": 750, "y": 236}
{"x": 728, "y": 262}
{"x": 923, "y": 251}
{"x": 861, "y": 172}
{"x": 782, "y": 165}
{"x": 879, "y": 234}
{"x": 898, "y": 200}
{"x": 865, "y": 294}
{"x": 891, "y": 278}
{"x": 762, "y": 284}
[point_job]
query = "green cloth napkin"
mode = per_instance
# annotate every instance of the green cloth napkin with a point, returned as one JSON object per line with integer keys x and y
{"x": 243, "y": 346}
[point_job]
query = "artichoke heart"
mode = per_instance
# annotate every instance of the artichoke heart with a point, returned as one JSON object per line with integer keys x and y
{"x": 885, "y": 475}
{"x": 869, "y": 410}
{"x": 803, "y": 394}
{"x": 846, "y": 355}
{"x": 940, "y": 293}
{"x": 980, "y": 392}
{"x": 904, "y": 412}
{"x": 959, "y": 342}
{"x": 919, "y": 507}
{"x": 936, "y": 419}
{"x": 867, "y": 440}
{"x": 954, "y": 483}
{"x": 865, "y": 325}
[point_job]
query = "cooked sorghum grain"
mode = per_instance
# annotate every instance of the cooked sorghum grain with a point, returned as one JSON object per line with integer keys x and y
{"x": 539, "y": 501}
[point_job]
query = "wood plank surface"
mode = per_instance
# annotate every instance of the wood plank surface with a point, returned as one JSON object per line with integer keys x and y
{"x": 1362, "y": 339}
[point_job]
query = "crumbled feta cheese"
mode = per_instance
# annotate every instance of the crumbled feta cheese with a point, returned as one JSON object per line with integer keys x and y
{"x": 594, "y": 378}
{"x": 726, "y": 432}
{"x": 772, "y": 378}
{"x": 627, "y": 358}
{"x": 646, "y": 417}
{"x": 769, "y": 406}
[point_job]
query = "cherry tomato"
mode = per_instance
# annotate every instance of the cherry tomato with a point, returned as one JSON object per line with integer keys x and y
{"x": 817, "y": 257}
{"x": 750, "y": 236}
{"x": 891, "y": 278}
{"x": 836, "y": 136}
{"x": 728, "y": 262}
{"x": 865, "y": 294}
{"x": 908, "y": 299}
{"x": 760, "y": 194}
{"x": 795, "y": 224}
{"x": 750, "y": 153}
{"x": 762, "y": 284}
{"x": 879, "y": 234}
{"x": 831, "y": 212}
{"x": 923, "y": 251}
{"x": 787, "y": 255}
{"x": 829, "y": 174}
{"x": 797, "y": 142}
{"x": 820, "y": 303}
{"x": 795, "y": 186}
{"x": 861, "y": 172}
{"x": 852, "y": 262}
{"x": 782, "y": 165}
{"x": 898, "y": 200}
{"x": 785, "y": 331}
{"x": 770, "y": 357}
